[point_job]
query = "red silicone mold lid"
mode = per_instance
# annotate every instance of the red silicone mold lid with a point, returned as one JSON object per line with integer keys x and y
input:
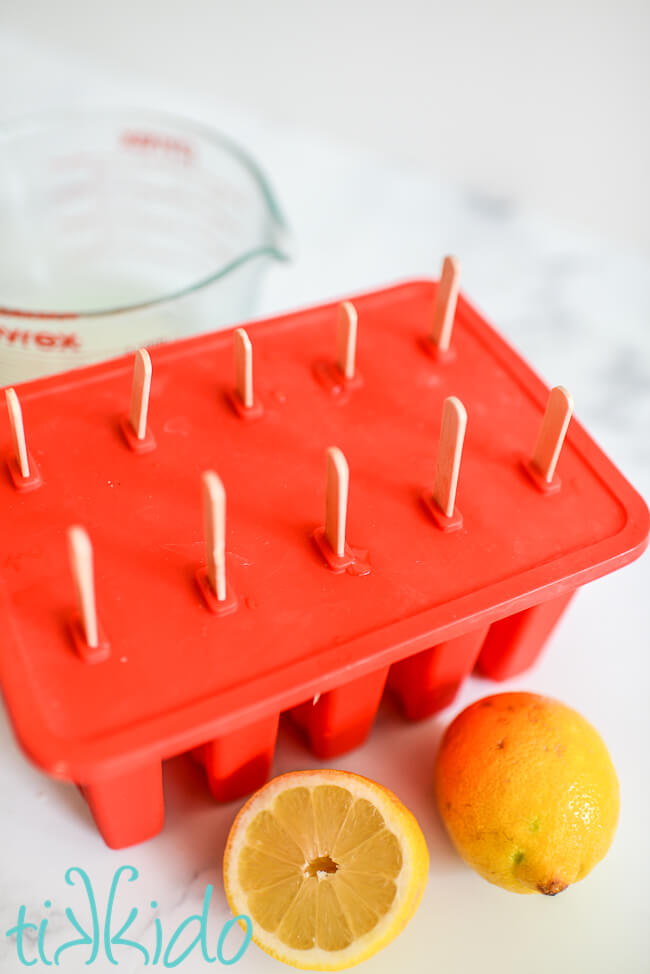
{"x": 177, "y": 674}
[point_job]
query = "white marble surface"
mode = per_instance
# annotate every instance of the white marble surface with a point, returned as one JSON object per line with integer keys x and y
{"x": 545, "y": 102}
{"x": 580, "y": 312}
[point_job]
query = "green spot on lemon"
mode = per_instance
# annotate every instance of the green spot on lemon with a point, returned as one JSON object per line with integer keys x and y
{"x": 534, "y": 825}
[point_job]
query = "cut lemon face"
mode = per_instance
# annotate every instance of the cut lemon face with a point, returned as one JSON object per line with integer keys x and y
{"x": 328, "y": 865}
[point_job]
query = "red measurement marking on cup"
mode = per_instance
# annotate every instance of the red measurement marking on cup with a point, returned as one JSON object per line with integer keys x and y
{"x": 154, "y": 140}
{"x": 52, "y": 315}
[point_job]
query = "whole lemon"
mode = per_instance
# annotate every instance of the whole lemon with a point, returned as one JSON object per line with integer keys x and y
{"x": 527, "y": 791}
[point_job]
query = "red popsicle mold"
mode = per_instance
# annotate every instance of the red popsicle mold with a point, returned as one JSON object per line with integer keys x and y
{"x": 416, "y": 609}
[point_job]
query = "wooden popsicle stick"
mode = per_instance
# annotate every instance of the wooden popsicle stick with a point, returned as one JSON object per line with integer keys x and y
{"x": 214, "y": 517}
{"x": 336, "y": 504}
{"x": 244, "y": 368}
{"x": 140, "y": 393}
{"x": 17, "y": 432}
{"x": 445, "y": 306}
{"x": 347, "y": 339}
{"x": 559, "y": 409}
{"x": 81, "y": 560}
{"x": 450, "y": 448}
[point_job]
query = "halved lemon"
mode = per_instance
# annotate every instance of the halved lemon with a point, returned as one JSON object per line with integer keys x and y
{"x": 329, "y": 866}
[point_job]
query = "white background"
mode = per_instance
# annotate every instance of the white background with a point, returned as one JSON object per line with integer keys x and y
{"x": 395, "y": 133}
{"x": 546, "y": 103}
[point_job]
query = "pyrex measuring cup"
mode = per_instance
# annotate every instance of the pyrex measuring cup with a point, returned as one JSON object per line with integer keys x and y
{"x": 122, "y": 229}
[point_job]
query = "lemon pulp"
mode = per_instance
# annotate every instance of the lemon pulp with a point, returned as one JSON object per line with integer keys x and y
{"x": 319, "y": 867}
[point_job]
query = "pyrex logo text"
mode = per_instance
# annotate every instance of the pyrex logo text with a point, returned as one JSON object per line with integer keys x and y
{"x": 44, "y": 340}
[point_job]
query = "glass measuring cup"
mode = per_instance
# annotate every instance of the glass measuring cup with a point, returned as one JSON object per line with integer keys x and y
{"x": 123, "y": 229}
